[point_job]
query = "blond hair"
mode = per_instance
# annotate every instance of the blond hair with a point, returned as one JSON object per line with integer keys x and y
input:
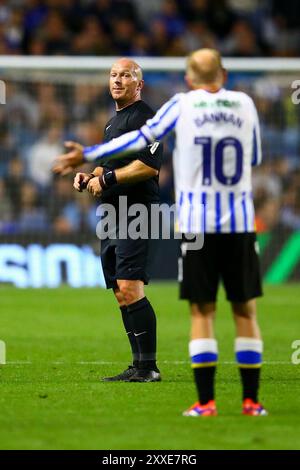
{"x": 204, "y": 66}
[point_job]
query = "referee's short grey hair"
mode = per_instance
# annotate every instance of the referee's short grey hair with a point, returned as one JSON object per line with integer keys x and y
{"x": 132, "y": 64}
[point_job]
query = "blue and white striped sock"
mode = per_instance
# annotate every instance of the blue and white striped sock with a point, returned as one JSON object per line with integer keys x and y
{"x": 248, "y": 352}
{"x": 203, "y": 352}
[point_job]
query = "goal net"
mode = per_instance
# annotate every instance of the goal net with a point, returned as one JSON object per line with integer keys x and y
{"x": 48, "y": 231}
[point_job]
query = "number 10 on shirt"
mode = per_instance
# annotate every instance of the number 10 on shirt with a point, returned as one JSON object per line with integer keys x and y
{"x": 218, "y": 154}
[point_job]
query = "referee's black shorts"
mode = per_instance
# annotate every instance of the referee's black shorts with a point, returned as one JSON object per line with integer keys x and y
{"x": 129, "y": 258}
{"x": 124, "y": 259}
{"x": 232, "y": 258}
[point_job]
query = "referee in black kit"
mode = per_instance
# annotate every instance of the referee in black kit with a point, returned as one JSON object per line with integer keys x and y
{"x": 124, "y": 262}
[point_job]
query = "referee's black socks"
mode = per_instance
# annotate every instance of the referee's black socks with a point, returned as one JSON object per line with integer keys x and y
{"x": 144, "y": 327}
{"x": 127, "y": 322}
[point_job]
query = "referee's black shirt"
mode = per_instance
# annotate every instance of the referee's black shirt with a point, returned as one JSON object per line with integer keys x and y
{"x": 129, "y": 119}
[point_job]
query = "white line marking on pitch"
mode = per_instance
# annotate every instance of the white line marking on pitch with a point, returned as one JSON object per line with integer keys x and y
{"x": 110, "y": 363}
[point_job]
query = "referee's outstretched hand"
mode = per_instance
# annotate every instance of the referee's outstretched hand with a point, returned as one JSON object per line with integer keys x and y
{"x": 65, "y": 163}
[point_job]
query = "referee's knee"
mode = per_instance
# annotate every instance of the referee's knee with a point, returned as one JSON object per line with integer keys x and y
{"x": 132, "y": 291}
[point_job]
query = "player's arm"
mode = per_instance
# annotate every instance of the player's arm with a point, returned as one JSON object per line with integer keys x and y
{"x": 132, "y": 173}
{"x": 156, "y": 128}
{"x": 256, "y": 144}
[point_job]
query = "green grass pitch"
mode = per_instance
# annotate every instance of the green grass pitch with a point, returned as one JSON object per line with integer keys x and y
{"x": 59, "y": 342}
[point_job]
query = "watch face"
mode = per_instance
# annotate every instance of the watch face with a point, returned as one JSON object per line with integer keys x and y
{"x": 109, "y": 178}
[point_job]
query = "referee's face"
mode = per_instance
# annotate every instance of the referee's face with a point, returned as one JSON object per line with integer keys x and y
{"x": 125, "y": 86}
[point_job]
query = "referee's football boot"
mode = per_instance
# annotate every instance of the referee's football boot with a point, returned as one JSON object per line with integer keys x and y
{"x": 145, "y": 375}
{"x": 123, "y": 377}
{"x": 251, "y": 408}
{"x": 196, "y": 410}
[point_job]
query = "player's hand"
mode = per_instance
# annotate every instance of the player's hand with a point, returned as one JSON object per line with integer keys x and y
{"x": 66, "y": 162}
{"x": 81, "y": 181}
{"x": 94, "y": 187}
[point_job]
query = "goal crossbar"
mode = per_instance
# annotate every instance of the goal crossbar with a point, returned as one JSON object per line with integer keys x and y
{"x": 167, "y": 64}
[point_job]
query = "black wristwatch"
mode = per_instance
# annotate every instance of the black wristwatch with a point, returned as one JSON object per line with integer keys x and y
{"x": 108, "y": 179}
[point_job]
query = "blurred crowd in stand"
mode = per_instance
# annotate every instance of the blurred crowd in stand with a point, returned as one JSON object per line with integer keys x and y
{"x": 239, "y": 28}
